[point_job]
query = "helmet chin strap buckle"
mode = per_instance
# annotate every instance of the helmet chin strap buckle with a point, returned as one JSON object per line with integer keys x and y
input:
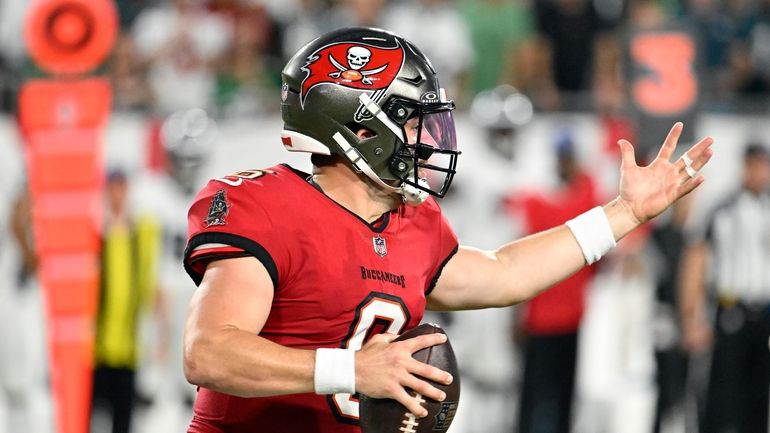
{"x": 414, "y": 196}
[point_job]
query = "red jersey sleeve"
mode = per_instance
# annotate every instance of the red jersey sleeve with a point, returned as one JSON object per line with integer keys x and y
{"x": 234, "y": 219}
{"x": 447, "y": 243}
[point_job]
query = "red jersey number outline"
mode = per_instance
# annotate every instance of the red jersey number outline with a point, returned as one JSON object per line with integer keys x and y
{"x": 243, "y": 174}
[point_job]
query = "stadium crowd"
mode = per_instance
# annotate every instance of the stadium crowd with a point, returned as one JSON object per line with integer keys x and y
{"x": 564, "y": 55}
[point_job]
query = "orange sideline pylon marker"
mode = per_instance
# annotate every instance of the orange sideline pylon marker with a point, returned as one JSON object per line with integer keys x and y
{"x": 61, "y": 121}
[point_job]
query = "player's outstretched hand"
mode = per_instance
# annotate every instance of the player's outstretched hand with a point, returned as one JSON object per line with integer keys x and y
{"x": 385, "y": 368}
{"x": 648, "y": 191}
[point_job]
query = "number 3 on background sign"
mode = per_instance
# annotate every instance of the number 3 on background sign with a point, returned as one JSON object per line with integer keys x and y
{"x": 668, "y": 86}
{"x": 377, "y": 312}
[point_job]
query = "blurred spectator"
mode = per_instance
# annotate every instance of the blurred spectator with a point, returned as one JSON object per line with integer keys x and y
{"x": 320, "y": 16}
{"x": 22, "y": 234}
{"x": 502, "y": 36}
{"x": 23, "y": 367}
{"x": 7, "y": 86}
{"x": 744, "y": 80}
{"x": 244, "y": 75}
{"x": 128, "y": 10}
{"x": 281, "y": 11}
{"x": 501, "y": 112}
{"x": 311, "y": 20}
{"x": 447, "y": 44}
{"x": 128, "y": 289}
{"x": 181, "y": 41}
{"x": 12, "y": 44}
{"x": 760, "y": 42}
{"x": 12, "y": 51}
{"x": 747, "y": 81}
{"x": 616, "y": 366}
{"x": 668, "y": 239}
{"x": 187, "y": 139}
{"x": 367, "y": 13}
{"x": 128, "y": 75}
{"x": 614, "y": 66}
{"x": 725, "y": 30}
{"x": 568, "y": 32}
{"x": 730, "y": 259}
{"x": 550, "y": 322}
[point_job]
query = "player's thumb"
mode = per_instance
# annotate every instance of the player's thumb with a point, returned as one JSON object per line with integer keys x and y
{"x": 627, "y": 153}
{"x": 383, "y": 338}
{"x": 388, "y": 337}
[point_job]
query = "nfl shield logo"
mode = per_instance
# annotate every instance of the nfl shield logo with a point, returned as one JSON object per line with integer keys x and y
{"x": 379, "y": 246}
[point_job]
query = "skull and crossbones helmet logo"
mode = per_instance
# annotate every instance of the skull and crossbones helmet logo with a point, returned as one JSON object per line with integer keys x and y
{"x": 357, "y": 58}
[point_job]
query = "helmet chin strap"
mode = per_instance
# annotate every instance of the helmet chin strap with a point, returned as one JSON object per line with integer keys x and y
{"x": 411, "y": 195}
{"x": 414, "y": 196}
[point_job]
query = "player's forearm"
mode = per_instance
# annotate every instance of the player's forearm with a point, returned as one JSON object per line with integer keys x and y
{"x": 539, "y": 261}
{"x": 513, "y": 273}
{"x": 520, "y": 270}
{"x": 240, "y": 363}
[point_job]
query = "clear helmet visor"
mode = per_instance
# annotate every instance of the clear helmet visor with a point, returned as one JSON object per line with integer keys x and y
{"x": 438, "y": 131}
{"x": 432, "y": 144}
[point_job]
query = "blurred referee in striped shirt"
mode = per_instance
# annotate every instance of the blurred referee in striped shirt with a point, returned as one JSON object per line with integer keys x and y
{"x": 730, "y": 261}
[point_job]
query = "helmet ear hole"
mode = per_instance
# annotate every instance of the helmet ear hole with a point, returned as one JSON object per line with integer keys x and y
{"x": 361, "y": 131}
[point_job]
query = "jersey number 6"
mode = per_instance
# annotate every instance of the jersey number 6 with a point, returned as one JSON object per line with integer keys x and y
{"x": 244, "y": 174}
{"x": 377, "y": 313}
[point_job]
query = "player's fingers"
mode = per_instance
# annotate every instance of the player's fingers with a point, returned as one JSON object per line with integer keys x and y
{"x": 703, "y": 159}
{"x": 689, "y": 185}
{"x": 429, "y": 372}
{"x": 423, "y": 388}
{"x": 628, "y": 159}
{"x": 421, "y": 342}
{"x": 412, "y": 403}
{"x": 669, "y": 144}
{"x": 696, "y": 163}
{"x": 699, "y": 154}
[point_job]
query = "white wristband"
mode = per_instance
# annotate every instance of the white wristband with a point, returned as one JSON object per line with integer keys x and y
{"x": 593, "y": 233}
{"x": 335, "y": 371}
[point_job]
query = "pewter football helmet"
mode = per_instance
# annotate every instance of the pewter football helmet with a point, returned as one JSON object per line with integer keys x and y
{"x": 365, "y": 77}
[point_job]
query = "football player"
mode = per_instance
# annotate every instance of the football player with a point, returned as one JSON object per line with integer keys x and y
{"x": 187, "y": 137}
{"x": 306, "y": 278}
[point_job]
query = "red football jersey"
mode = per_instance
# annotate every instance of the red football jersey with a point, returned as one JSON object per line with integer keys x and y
{"x": 337, "y": 279}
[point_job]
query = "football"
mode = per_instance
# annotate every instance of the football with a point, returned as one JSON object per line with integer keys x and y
{"x": 390, "y": 416}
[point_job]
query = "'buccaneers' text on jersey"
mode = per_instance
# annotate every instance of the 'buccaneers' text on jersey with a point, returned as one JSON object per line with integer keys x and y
{"x": 337, "y": 281}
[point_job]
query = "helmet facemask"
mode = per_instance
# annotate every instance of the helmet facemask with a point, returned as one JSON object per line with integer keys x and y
{"x": 188, "y": 136}
{"x": 427, "y": 159}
